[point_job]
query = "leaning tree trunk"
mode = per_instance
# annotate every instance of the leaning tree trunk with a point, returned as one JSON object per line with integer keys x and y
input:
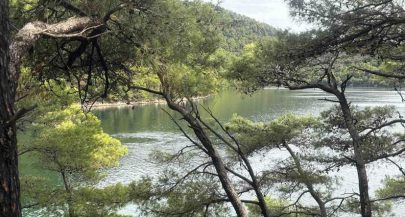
{"x": 216, "y": 159}
{"x": 9, "y": 180}
{"x": 218, "y": 164}
{"x": 365, "y": 202}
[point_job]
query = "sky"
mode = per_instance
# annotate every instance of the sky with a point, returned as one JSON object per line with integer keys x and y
{"x": 273, "y": 12}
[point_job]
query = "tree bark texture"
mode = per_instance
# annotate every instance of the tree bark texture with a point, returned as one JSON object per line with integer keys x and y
{"x": 9, "y": 180}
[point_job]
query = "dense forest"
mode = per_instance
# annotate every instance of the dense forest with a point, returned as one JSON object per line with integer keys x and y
{"x": 59, "y": 58}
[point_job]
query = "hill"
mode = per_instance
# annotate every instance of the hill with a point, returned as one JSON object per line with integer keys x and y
{"x": 240, "y": 30}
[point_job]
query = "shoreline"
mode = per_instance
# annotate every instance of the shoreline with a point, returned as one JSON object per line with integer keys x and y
{"x": 159, "y": 101}
{"x": 118, "y": 104}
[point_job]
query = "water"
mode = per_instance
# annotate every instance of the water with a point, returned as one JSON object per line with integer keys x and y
{"x": 147, "y": 128}
{"x": 261, "y": 106}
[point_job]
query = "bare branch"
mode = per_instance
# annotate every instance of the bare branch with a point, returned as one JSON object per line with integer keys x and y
{"x": 380, "y": 73}
{"x": 19, "y": 114}
{"x": 309, "y": 86}
{"x": 388, "y": 124}
{"x": 385, "y": 155}
{"x": 72, "y": 8}
{"x": 329, "y": 100}
{"x": 31, "y": 32}
{"x": 401, "y": 169}
{"x": 185, "y": 134}
{"x": 393, "y": 197}
{"x": 239, "y": 175}
{"x": 344, "y": 83}
{"x": 146, "y": 89}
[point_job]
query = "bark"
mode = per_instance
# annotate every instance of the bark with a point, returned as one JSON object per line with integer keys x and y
{"x": 365, "y": 202}
{"x": 255, "y": 184}
{"x": 69, "y": 192}
{"x": 9, "y": 180}
{"x": 213, "y": 154}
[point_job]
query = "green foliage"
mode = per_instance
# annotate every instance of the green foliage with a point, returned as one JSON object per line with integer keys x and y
{"x": 365, "y": 118}
{"x": 388, "y": 67}
{"x": 181, "y": 47}
{"x": 172, "y": 195}
{"x": 38, "y": 192}
{"x": 247, "y": 69}
{"x": 47, "y": 95}
{"x": 260, "y": 63}
{"x": 182, "y": 35}
{"x": 91, "y": 201}
{"x": 377, "y": 142}
{"x": 239, "y": 30}
{"x": 280, "y": 61}
{"x": 342, "y": 52}
{"x": 297, "y": 173}
{"x": 177, "y": 40}
{"x": 35, "y": 191}
{"x": 145, "y": 78}
{"x": 189, "y": 81}
{"x": 256, "y": 136}
{"x": 393, "y": 187}
{"x": 72, "y": 144}
{"x": 329, "y": 131}
{"x": 380, "y": 208}
{"x": 277, "y": 207}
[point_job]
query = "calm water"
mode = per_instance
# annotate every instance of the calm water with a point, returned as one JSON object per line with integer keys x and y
{"x": 148, "y": 128}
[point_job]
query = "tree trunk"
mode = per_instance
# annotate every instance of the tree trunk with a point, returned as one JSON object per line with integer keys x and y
{"x": 215, "y": 157}
{"x": 227, "y": 185}
{"x": 360, "y": 163}
{"x": 69, "y": 192}
{"x": 255, "y": 184}
{"x": 9, "y": 180}
{"x": 219, "y": 167}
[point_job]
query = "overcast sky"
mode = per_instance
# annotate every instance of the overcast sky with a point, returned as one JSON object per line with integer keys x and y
{"x": 273, "y": 12}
